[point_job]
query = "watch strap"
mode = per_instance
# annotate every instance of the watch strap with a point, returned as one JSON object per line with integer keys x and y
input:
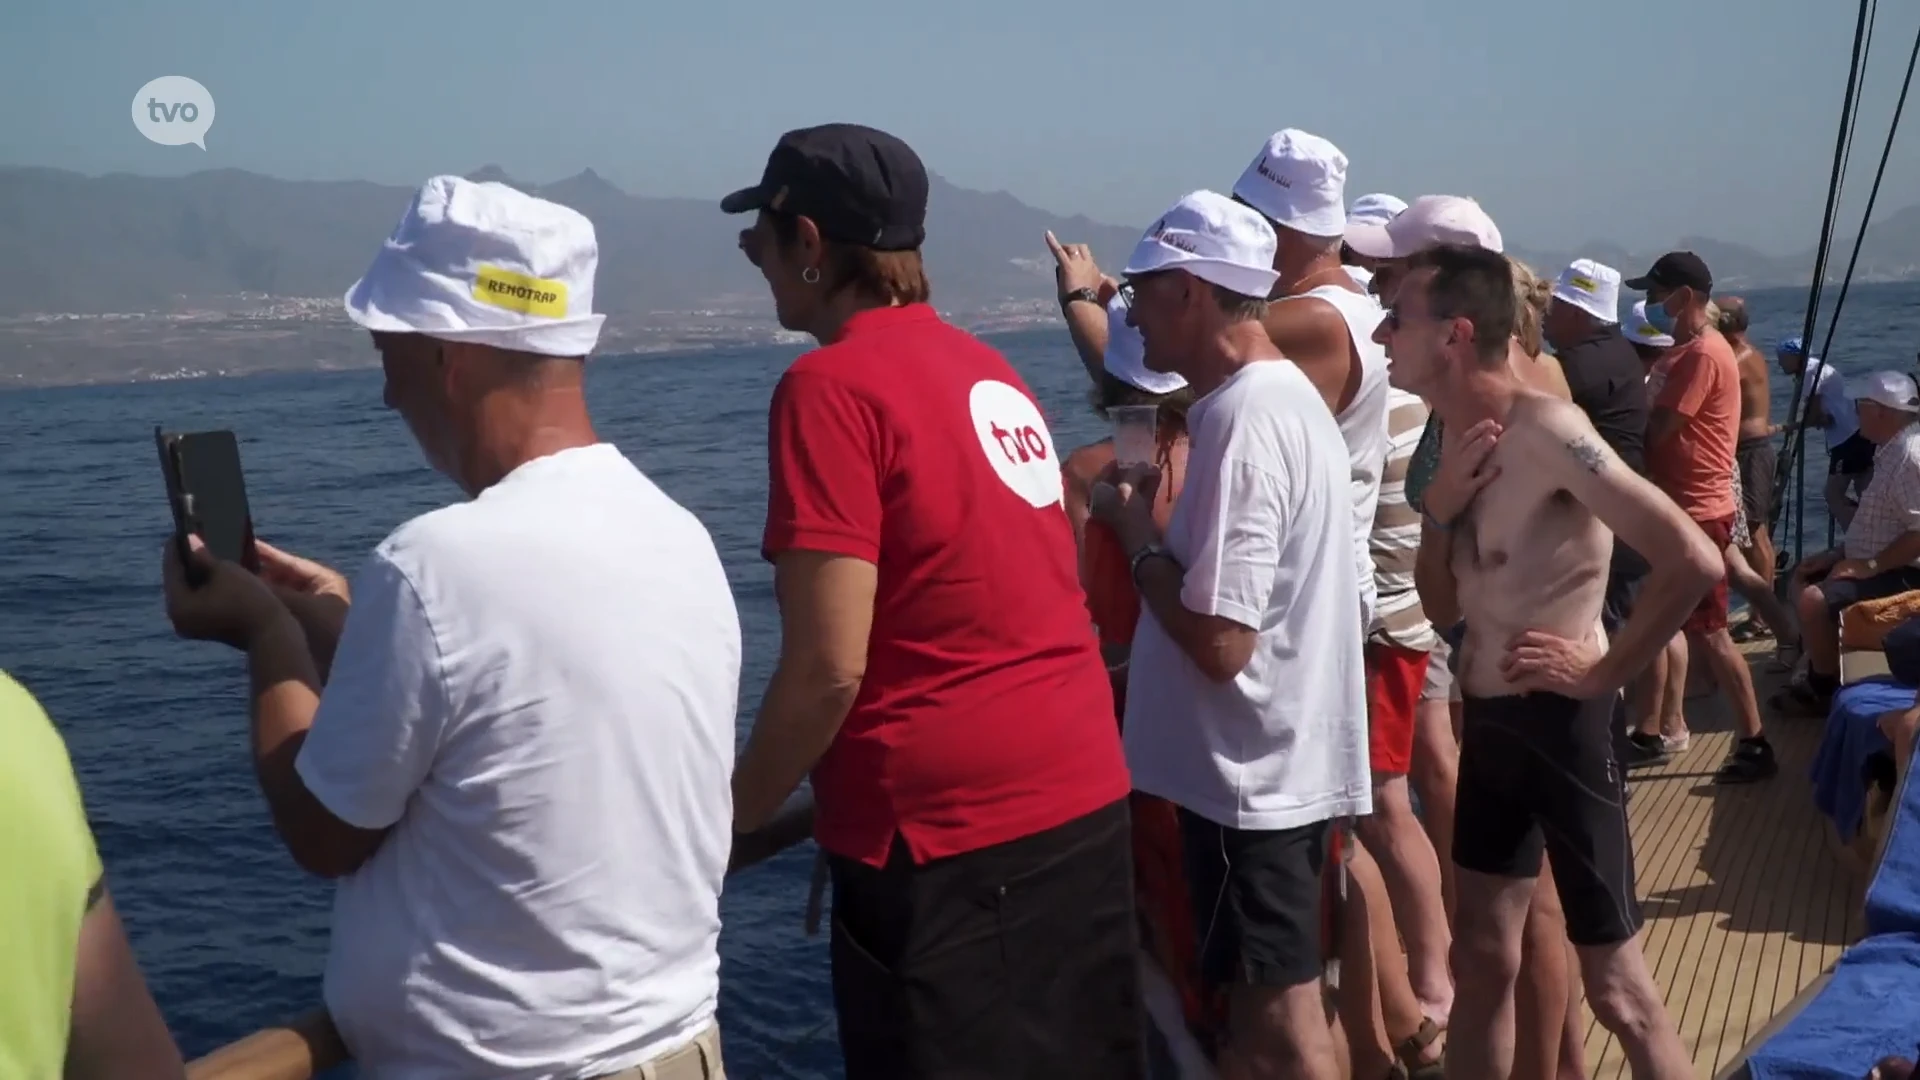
{"x": 1089, "y": 295}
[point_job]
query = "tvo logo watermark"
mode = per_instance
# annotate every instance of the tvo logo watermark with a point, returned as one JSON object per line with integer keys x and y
{"x": 174, "y": 110}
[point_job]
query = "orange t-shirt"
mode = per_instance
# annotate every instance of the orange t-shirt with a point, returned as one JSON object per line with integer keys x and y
{"x": 1694, "y": 465}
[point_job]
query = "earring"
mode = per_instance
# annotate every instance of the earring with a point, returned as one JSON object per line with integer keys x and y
{"x": 811, "y": 275}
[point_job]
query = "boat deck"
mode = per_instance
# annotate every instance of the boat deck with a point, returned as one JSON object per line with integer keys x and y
{"x": 1747, "y": 896}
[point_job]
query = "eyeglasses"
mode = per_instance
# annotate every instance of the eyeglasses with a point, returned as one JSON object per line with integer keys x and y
{"x": 1125, "y": 292}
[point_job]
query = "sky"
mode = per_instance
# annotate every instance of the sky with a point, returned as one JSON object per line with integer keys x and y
{"x": 1635, "y": 121}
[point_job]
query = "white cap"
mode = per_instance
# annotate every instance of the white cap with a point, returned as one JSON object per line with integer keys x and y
{"x": 485, "y": 263}
{"x": 1592, "y": 287}
{"x": 1429, "y": 221}
{"x": 1213, "y": 238}
{"x": 1889, "y": 388}
{"x": 1375, "y": 209}
{"x": 1300, "y": 181}
{"x": 1640, "y": 331}
{"x": 1126, "y": 356}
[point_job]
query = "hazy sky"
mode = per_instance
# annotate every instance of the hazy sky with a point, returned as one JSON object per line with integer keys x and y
{"x": 1634, "y": 120}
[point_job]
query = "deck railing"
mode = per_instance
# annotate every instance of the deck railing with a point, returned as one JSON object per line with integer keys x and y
{"x": 308, "y": 1045}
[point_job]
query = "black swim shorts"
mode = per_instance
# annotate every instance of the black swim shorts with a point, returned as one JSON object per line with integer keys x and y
{"x": 1757, "y": 460}
{"x": 1852, "y": 457}
{"x": 1257, "y": 898}
{"x": 1537, "y": 773}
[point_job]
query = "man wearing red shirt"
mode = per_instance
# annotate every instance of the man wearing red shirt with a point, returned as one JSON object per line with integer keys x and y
{"x": 1691, "y": 435}
{"x": 938, "y": 674}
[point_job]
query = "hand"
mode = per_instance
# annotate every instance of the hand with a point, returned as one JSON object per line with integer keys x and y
{"x": 1074, "y": 268}
{"x": 1849, "y": 569}
{"x": 1463, "y": 471}
{"x": 230, "y": 605}
{"x": 1537, "y": 660}
{"x": 289, "y": 573}
{"x": 1122, "y": 500}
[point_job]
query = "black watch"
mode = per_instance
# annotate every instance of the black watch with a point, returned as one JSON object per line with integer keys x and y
{"x": 1147, "y": 552}
{"x": 1091, "y": 296}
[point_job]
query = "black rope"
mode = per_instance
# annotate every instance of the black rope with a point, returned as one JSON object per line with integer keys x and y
{"x": 1796, "y": 436}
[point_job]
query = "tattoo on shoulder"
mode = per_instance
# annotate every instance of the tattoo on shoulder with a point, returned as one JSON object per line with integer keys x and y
{"x": 1589, "y": 453}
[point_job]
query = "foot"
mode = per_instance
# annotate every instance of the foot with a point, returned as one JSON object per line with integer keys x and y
{"x": 1422, "y": 1054}
{"x": 1676, "y": 744}
{"x": 1643, "y": 749}
{"x": 1751, "y": 760}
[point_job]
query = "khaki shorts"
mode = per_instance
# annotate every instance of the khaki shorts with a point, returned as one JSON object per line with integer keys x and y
{"x": 698, "y": 1060}
{"x": 1441, "y": 685}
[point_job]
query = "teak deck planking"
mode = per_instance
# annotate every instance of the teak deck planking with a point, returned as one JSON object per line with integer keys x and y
{"x": 1746, "y": 898}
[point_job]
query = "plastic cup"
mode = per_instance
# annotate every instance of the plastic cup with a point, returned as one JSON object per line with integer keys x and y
{"x": 1134, "y": 433}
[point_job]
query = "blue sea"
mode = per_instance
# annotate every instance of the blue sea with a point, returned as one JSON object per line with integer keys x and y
{"x": 231, "y": 935}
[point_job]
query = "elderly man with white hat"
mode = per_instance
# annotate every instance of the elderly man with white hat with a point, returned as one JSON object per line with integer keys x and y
{"x": 510, "y": 740}
{"x": 1254, "y": 562}
{"x": 1880, "y": 556}
{"x": 1375, "y": 209}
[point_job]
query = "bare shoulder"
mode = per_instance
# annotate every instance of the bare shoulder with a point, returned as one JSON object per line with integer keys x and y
{"x": 1305, "y": 327}
{"x": 1556, "y": 434}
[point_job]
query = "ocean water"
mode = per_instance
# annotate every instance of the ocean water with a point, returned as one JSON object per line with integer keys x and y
{"x": 231, "y": 935}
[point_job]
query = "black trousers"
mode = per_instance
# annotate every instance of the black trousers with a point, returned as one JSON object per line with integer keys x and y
{"x": 1013, "y": 961}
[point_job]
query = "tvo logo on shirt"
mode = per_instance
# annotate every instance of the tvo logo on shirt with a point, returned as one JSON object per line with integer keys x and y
{"x": 1015, "y": 439}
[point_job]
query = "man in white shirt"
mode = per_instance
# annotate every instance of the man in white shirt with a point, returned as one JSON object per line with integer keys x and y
{"x": 1849, "y": 453}
{"x": 1247, "y": 706}
{"x": 518, "y": 768}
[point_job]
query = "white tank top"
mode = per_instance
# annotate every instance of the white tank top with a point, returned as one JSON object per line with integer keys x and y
{"x": 1363, "y": 423}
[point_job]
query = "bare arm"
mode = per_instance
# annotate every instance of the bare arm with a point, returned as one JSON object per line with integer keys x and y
{"x": 1218, "y": 646}
{"x": 1312, "y": 334}
{"x": 1087, "y": 325}
{"x": 1684, "y": 561}
{"x": 286, "y": 697}
{"x": 117, "y": 1032}
{"x": 826, "y": 614}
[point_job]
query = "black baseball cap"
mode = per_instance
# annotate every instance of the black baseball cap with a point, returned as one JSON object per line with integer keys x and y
{"x": 1676, "y": 270}
{"x": 858, "y": 185}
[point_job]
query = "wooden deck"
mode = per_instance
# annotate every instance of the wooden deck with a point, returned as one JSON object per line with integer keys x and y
{"x": 1746, "y": 896}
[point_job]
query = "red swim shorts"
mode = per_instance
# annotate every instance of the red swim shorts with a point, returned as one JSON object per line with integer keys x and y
{"x": 1711, "y": 613}
{"x": 1395, "y": 679}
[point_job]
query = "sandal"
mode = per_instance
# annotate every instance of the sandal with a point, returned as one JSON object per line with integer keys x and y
{"x": 1414, "y": 1045}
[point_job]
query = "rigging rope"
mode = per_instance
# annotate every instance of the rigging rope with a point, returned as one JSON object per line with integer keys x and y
{"x": 1800, "y": 408}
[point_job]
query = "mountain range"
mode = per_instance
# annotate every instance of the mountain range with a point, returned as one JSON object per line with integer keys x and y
{"x": 671, "y": 274}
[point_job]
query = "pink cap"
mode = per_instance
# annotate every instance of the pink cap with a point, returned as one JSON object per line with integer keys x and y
{"x": 1429, "y": 221}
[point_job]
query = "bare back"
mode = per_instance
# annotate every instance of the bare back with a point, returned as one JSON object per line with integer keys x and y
{"x": 1526, "y": 555}
{"x": 1756, "y": 400}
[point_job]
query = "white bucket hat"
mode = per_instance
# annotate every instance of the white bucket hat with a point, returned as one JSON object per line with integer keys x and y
{"x": 1299, "y": 180}
{"x": 1126, "y": 355}
{"x": 485, "y": 263}
{"x": 1593, "y": 287}
{"x": 1213, "y": 238}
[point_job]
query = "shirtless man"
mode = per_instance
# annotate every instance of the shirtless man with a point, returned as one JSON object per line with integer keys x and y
{"x": 1754, "y": 452}
{"x": 1520, "y": 529}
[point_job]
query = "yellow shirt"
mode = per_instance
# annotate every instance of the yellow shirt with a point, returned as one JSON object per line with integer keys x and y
{"x": 48, "y": 865}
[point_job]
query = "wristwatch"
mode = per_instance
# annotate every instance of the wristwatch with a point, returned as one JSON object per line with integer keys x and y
{"x": 1091, "y": 296}
{"x": 1145, "y": 553}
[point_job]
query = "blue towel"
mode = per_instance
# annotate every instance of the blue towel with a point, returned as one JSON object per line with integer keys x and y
{"x": 1867, "y": 1012}
{"x": 1893, "y": 896}
{"x": 1851, "y": 736}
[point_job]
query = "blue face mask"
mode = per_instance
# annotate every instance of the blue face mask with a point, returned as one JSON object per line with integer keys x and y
{"x": 1658, "y": 318}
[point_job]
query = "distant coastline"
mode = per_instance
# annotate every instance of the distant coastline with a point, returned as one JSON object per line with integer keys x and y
{"x": 254, "y": 334}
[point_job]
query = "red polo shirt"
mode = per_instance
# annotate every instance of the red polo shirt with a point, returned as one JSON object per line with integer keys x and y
{"x": 985, "y": 714}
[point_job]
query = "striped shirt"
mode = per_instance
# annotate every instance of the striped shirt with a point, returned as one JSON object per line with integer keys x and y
{"x": 1397, "y": 617}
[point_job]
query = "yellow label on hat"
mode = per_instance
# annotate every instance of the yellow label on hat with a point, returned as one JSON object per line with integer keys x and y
{"x": 503, "y": 288}
{"x": 1584, "y": 284}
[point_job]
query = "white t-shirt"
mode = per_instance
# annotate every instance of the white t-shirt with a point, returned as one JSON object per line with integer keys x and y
{"x": 536, "y": 689}
{"x": 1263, "y": 527}
{"x": 1831, "y": 388}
